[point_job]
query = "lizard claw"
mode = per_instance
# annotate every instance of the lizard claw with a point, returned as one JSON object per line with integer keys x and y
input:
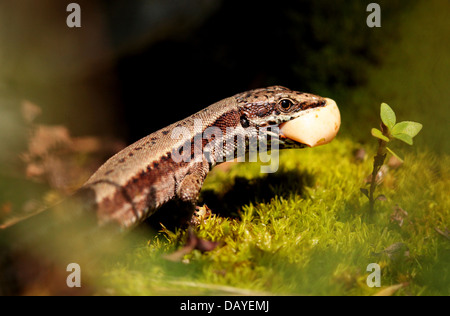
{"x": 201, "y": 213}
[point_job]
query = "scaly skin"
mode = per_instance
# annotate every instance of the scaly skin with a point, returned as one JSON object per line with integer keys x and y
{"x": 146, "y": 176}
{"x": 140, "y": 179}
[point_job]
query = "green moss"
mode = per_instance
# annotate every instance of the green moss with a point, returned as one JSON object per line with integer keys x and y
{"x": 310, "y": 237}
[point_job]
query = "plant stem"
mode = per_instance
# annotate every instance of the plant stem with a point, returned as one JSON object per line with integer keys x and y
{"x": 378, "y": 162}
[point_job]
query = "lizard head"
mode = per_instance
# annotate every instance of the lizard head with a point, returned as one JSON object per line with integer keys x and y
{"x": 303, "y": 119}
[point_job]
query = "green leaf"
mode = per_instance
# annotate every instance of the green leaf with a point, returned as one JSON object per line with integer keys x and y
{"x": 378, "y": 134}
{"x": 365, "y": 192}
{"x": 387, "y": 116}
{"x": 404, "y": 138}
{"x": 394, "y": 154}
{"x": 409, "y": 128}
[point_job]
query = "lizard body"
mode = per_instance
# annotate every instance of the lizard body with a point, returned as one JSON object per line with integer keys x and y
{"x": 137, "y": 181}
{"x": 147, "y": 175}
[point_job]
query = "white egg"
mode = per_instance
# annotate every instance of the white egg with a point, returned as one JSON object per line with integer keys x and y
{"x": 314, "y": 127}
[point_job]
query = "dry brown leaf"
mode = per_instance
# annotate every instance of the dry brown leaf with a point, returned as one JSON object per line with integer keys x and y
{"x": 445, "y": 233}
{"x": 47, "y": 138}
{"x": 53, "y": 156}
{"x": 360, "y": 154}
{"x": 192, "y": 242}
{"x": 390, "y": 290}
{"x": 398, "y": 215}
{"x": 6, "y": 209}
{"x": 30, "y": 111}
{"x": 394, "y": 163}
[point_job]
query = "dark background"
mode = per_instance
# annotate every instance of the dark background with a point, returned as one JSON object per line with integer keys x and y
{"x": 136, "y": 66}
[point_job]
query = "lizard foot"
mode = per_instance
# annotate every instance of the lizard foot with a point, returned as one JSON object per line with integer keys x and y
{"x": 201, "y": 214}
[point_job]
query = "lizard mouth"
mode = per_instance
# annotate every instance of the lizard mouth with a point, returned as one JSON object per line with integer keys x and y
{"x": 314, "y": 127}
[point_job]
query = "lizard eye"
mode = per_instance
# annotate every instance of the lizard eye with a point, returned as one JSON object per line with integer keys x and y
{"x": 285, "y": 105}
{"x": 244, "y": 122}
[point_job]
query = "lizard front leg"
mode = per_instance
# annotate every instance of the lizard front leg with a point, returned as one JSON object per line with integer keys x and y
{"x": 189, "y": 188}
{"x": 179, "y": 210}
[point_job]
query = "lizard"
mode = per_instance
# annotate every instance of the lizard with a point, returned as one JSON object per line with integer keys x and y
{"x": 140, "y": 179}
{"x": 136, "y": 182}
{"x": 148, "y": 175}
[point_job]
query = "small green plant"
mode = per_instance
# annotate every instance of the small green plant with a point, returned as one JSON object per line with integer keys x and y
{"x": 390, "y": 130}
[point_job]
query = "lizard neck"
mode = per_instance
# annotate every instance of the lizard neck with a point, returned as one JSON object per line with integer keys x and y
{"x": 130, "y": 186}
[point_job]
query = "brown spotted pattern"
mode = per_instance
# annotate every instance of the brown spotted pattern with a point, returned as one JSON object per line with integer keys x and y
{"x": 137, "y": 181}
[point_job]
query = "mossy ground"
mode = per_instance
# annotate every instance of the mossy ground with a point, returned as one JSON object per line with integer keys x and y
{"x": 311, "y": 236}
{"x": 304, "y": 230}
